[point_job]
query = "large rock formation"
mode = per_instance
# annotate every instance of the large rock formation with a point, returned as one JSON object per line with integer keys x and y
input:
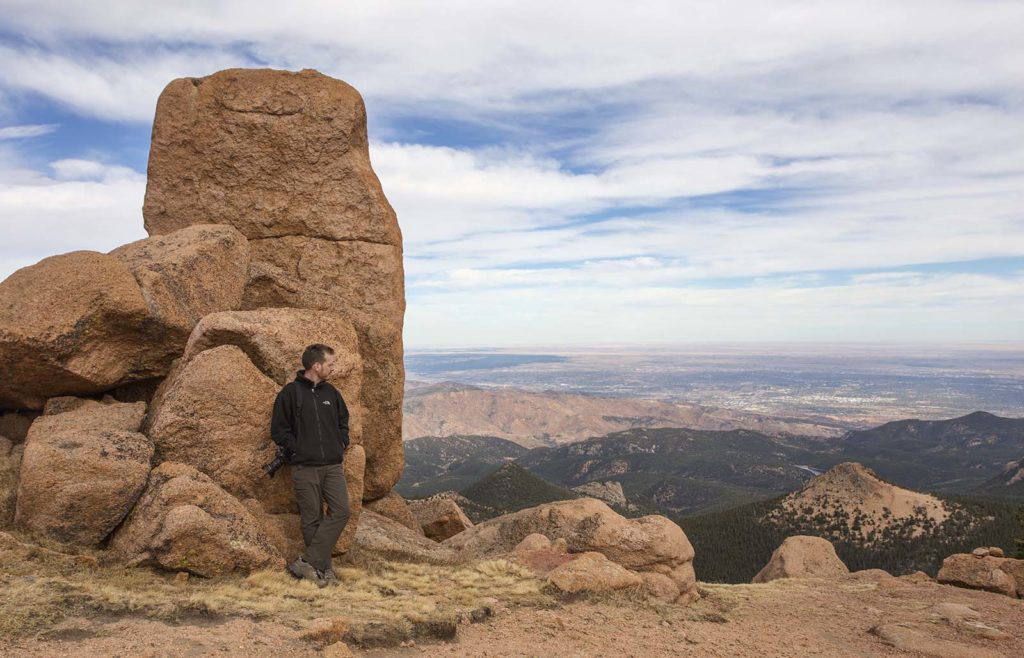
{"x": 984, "y": 571}
{"x": 185, "y": 522}
{"x": 260, "y": 197}
{"x": 82, "y": 471}
{"x": 801, "y": 556}
{"x": 283, "y": 157}
{"x": 651, "y": 543}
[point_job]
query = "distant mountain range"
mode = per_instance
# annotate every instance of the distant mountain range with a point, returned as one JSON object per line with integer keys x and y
{"x": 685, "y": 472}
{"x": 957, "y": 455}
{"x": 547, "y": 419}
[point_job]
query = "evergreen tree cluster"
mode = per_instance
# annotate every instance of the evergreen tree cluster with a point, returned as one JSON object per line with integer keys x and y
{"x": 732, "y": 546}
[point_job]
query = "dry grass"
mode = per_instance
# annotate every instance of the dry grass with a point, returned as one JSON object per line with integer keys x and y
{"x": 38, "y": 589}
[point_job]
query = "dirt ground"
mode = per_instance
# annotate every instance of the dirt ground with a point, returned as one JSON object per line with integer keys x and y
{"x": 795, "y": 618}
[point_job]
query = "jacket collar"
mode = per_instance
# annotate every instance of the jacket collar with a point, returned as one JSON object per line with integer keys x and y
{"x": 301, "y": 378}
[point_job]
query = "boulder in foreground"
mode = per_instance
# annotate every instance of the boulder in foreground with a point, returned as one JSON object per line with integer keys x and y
{"x": 1002, "y": 575}
{"x": 69, "y": 325}
{"x": 439, "y": 518}
{"x": 648, "y": 544}
{"x": 185, "y": 522}
{"x": 82, "y": 471}
{"x": 802, "y": 556}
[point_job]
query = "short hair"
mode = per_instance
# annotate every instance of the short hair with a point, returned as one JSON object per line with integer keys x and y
{"x": 315, "y": 353}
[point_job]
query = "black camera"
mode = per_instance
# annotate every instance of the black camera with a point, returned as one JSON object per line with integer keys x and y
{"x": 279, "y": 460}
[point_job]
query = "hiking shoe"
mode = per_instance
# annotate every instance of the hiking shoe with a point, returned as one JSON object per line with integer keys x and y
{"x": 306, "y": 571}
{"x": 330, "y": 578}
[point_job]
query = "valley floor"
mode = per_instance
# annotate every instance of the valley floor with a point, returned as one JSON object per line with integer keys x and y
{"x": 830, "y": 618}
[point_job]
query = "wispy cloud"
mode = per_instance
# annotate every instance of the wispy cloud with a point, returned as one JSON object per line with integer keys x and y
{"x": 27, "y": 131}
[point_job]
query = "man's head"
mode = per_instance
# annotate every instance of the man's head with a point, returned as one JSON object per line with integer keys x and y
{"x": 318, "y": 360}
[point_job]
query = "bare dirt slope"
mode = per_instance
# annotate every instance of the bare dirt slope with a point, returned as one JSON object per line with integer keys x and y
{"x": 784, "y": 618}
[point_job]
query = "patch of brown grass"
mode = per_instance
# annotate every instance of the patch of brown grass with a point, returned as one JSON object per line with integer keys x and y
{"x": 403, "y": 598}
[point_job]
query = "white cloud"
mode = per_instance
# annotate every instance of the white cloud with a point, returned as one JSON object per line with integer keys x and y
{"x": 87, "y": 205}
{"x": 25, "y": 132}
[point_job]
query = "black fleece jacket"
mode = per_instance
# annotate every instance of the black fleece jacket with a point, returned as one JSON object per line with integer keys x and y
{"x": 311, "y": 422}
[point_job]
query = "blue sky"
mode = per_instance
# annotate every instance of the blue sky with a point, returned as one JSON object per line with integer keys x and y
{"x": 579, "y": 173}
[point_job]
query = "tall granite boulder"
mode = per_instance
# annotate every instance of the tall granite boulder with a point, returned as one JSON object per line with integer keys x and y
{"x": 283, "y": 157}
{"x": 84, "y": 323}
{"x": 185, "y": 522}
{"x": 82, "y": 471}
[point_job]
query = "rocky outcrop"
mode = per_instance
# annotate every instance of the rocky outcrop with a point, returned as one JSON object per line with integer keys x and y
{"x": 610, "y": 492}
{"x": 981, "y": 570}
{"x": 395, "y": 508}
{"x": 10, "y": 465}
{"x": 801, "y": 556}
{"x": 283, "y": 157}
{"x": 378, "y": 537}
{"x": 274, "y": 338}
{"x": 592, "y": 572}
{"x": 213, "y": 414}
{"x": 82, "y": 471}
{"x": 69, "y": 325}
{"x": 272, "y": 153}
{"x": 268, "y": 231}
{"x": 921, "y": 642}
{"x": 185, "y": 522}
{"x": 439, "y": 518}
{"x": 651, "y": 543}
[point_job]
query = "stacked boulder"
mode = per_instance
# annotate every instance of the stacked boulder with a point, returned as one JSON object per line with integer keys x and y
{"x": 155, "y": 366}
{"x": 613, "y": 552}
{"x": 984, "y": 568}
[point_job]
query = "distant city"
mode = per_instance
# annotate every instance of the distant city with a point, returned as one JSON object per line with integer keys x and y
{"x": 855, "y": 385}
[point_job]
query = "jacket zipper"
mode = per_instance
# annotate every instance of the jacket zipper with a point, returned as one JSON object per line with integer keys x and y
{"x": 319, "y": 432}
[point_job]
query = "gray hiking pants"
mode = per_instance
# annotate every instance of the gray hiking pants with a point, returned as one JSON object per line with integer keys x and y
{"x": 314, "y": 486}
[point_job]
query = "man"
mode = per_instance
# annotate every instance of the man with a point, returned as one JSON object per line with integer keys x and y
{"x": 310, "y": 421}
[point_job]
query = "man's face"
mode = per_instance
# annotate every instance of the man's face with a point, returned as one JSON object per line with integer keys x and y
{"x": 326, "y": 369}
